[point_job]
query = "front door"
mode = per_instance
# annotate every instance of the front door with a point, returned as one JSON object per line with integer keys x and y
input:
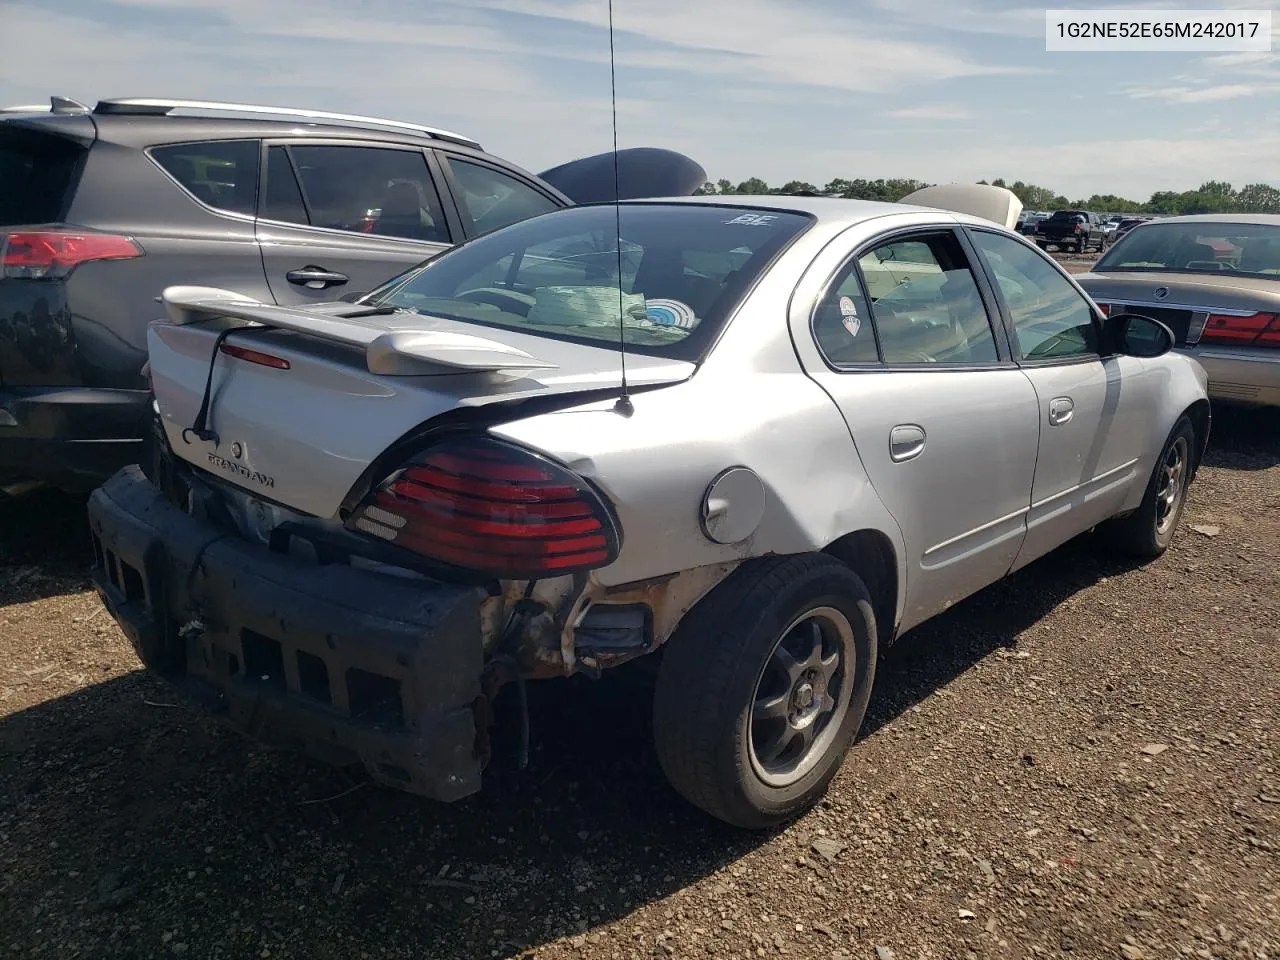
{"x": 1094, "y": 412}
{"x": 944, "y": 422}
{"x": 337, "y": 219}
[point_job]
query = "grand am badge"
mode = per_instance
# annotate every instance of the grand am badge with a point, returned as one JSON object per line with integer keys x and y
{"x": 230, "y": 466}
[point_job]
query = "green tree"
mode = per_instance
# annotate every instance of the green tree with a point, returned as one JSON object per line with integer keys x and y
{"x": 1258, "y": 198}
{"x": 724, "y": 186}
{"x": 798, "y": 186}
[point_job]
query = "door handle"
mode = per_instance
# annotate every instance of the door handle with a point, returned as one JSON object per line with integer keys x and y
{"x": 316, "y": 277}
{"x": 1061, "y": 409}
{"x": 906, "y": 441}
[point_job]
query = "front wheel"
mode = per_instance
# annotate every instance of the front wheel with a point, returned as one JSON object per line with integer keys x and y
{"x": 763, "y": 688}
{"x": 1148, "y": 531}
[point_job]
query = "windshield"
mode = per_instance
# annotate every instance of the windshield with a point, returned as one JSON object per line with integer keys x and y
{"x": 1066, "y": 215}
{"x": 1198, "y": 247}
{"x": 684, "y": 268}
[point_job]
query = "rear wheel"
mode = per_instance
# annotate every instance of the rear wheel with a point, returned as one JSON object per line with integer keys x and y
{"x": 763, "y": 688}
{"x": 1148, "y": 531}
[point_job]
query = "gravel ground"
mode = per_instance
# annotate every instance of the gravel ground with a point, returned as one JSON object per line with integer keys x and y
{"x": 1079, "y": 761}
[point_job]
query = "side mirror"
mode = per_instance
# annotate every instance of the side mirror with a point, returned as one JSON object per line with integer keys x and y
{"x": 1134, "y": 335}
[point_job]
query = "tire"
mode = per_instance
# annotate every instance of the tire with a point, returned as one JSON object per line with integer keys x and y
{"x": 724, "y": 663}
{"x": 1148, "y": 531}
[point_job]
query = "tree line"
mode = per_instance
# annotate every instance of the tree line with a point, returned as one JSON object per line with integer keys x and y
{"x": 1213, "y": 196}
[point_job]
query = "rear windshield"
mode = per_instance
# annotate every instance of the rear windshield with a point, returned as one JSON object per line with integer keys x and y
{"x": 37, "y": 175}
{"x": 684, "y": 268}
{"x": 1066, "y": 215}
{"x": 1251, "y": 249}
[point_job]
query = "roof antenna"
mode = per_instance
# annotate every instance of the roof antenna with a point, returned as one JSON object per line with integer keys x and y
{"x": 624, "y": 405}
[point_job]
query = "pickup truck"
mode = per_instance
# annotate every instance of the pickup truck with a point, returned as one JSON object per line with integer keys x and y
{"x": 1076, "y": 229}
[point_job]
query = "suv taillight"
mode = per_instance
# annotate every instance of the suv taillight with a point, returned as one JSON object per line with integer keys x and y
{"x": 1257, "y": 329}
{"x": 55, "y": 253}
{"x": 488, "y": 506}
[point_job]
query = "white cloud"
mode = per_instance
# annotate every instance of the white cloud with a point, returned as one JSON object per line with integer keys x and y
{"x": 932, "y": 111}
{"x": 1227, "y": 91}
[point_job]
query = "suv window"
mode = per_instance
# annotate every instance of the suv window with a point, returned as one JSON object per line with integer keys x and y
{"x": 374, "y": 190}
{"x": 1051, "y": 319}
{"x": 491, "y": 199}
{"x": 924, "y": 303}
{"x": 219, "y": 173}
{"x": 36, "y": 175}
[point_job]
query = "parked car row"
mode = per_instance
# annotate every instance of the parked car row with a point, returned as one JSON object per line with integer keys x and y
{"x": 102, "y": 208}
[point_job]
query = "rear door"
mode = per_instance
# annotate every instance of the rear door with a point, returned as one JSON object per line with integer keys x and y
{"x": 1096, "y": 413}
{"x": 943, "y": 420}
{"x": 337, "y": 218}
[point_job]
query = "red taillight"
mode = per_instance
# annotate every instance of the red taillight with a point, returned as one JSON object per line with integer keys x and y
{"x": 32, "y": 255}
{"x": 1257, "y": 329}
{"x": 254, "y": 356}
{"x": 1105, "y": 308}
{"x": 489, "y": 506}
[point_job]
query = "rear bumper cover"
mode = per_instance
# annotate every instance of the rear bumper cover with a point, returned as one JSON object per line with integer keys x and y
{"x": 70, "y": 436}
{"x": 341, "y": 664}
{"x": 1246, "y": 374}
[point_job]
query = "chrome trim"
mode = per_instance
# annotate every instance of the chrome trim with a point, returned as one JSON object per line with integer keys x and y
{"x": 1165, "y": 305}
{"x": 350, "y": 233}
{"x": 1080, "y": 486}
{"x": 976, "y": 530}
{"x": 107, "y": 107}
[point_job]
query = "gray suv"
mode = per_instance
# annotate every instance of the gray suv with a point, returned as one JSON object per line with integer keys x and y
{"x": 102, "y": 208}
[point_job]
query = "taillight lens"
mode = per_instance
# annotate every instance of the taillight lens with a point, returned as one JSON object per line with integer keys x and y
{"x": 55, "y": 253}
{"x": 1257, "y": 329}
{"x": 485, "y": 505}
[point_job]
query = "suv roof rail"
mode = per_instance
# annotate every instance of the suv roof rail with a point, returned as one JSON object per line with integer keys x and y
{"x": 146, "y": 106}
{"x": 56, "y": 105}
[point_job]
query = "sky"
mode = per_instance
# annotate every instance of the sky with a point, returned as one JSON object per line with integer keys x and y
{"x": 936, "y": 90}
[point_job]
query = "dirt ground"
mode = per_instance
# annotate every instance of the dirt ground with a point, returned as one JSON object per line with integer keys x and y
{"x": 1079, "y": 761}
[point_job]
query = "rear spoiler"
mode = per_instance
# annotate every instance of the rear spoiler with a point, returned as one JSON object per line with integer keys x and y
{"x": 391, "y": 349}
{"x": 997, "y": 204}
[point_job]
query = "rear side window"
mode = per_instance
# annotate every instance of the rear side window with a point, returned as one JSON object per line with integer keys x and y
{"x": 374, "y": 190}
{"x": 37, "y": 175}
{"x": 220, "y": 173}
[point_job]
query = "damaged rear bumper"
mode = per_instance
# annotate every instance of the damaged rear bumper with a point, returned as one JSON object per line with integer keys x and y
{"x": 341, "y": 664}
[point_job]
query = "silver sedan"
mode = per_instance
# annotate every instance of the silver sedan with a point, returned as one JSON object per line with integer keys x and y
{"x": 1214, "y": 280}
{"x": 838, "y": 419}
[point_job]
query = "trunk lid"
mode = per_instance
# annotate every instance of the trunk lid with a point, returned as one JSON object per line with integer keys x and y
{"x": 1187, "y": 299}
{"x": 356, "y": 382}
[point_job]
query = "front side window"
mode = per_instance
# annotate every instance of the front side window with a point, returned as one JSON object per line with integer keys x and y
{"x": 1051, "y": 319}
{"x": 491, "y": 199}
{"x": 219, "y": 173}
{"x": 684, "y": 269}
{"x": 1197, "y": 247}
{"x": 374, "y": 190}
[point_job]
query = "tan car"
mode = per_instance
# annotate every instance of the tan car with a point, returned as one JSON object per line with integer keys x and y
{"x": 1214, "y": 280}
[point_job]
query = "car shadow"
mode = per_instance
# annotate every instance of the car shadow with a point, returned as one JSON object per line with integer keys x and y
{"x": 44, "y": 545}
{"x": 1243, "y": 437}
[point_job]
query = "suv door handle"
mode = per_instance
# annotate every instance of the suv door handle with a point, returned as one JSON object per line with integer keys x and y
{"x": 906, "y": 441}
{"x": 318, "y": 276}
{"x": 1061, "y": 409}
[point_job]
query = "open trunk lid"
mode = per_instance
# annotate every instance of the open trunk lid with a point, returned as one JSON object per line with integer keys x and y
{"x": 301, "y": 401}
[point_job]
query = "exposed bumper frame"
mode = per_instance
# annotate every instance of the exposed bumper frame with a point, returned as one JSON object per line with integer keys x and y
{"x": 341, "y": 664}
